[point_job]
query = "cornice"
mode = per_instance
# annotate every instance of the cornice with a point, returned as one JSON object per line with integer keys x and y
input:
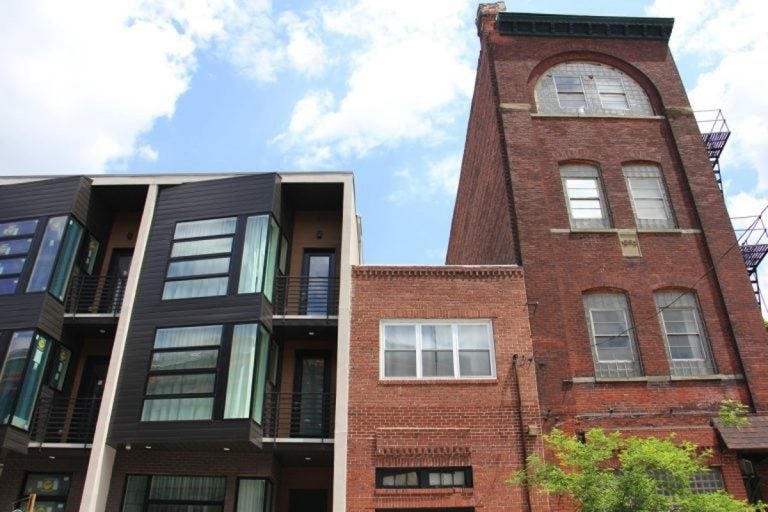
{"x": 559, "y": 25}
{"x": 443, "y": 271}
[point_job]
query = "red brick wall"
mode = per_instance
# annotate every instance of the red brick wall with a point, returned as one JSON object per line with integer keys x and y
{"x": 398, "y": 423}
{"x": 560, "y": 266}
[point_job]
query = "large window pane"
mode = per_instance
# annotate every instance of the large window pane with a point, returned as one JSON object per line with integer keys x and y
{"x": 240, "y": 377}
{"x": 254, "y": 255}
{"x": 187, "y": 488}
{"x": 400, "y": 363}
{"x": 186, "y": 384}
{"x": 13, "y": 368}
{"x": 33, "y": 377}
{"x": 11, "y": 266}
{"x": 609, "y": 323}
{"x": 8, "y": 285}
{"x": 135, "y": 493}
{"x": 201, "y": 247}
{"x": 271, "y": 270}
{"x": 184, "y": 360}
{"x": 46, "y": 256}
{"x": 253, "y": 495}
{"x": 188, "y": 336}
{"x": 260, "y": 376}
{"x": 399, "y": 337}
{"x": 687, "y": 343}
{"x": 69, "y": 250}
{"x": 191, "y": 288}
{"x": 12, "y": 247}
{"x": 177, "y": 409}
{"x": 201, "y": 228}
{"x": 198, "y": 267}
{"x": 18, "y": 228}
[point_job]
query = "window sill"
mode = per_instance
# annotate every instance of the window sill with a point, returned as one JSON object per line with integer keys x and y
{"x": 654, "y": 378}
{"x": 439, "y": 382}
{"x": 624, "y": 230}
{"x": 593, "y": 116}
{"x": 423, "y": 491}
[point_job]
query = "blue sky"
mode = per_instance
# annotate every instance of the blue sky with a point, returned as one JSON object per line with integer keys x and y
{"x": 379, "y": 88}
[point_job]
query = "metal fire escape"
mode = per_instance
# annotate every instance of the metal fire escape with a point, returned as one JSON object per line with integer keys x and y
{"x": 751, "y": 232}
{"x": 715, "y": 133}
{"x": 753, "y": 242}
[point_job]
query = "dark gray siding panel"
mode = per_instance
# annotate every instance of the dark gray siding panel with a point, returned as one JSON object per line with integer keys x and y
{"x": 40, "y": 198}
{"x": 20, "y": 311}
{"x": 218, "y": 198}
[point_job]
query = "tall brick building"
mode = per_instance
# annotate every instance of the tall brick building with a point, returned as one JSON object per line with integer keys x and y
{"x": 585, "y": 166}
{"x": 212, "y": 343}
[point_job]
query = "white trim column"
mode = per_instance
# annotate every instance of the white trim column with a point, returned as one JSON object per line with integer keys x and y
{"x": 99, "y": 473}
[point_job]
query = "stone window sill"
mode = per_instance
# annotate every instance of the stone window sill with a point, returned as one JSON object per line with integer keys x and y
{"x": 593, "y": 116}
{"x": 438, "y": 382}
{"x": 655, "y": 378}
{"x": 420, "y": 492}
{"x": 624, "y": 230}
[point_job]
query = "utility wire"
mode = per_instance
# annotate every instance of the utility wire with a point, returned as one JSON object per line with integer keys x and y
{"x": 693, "y": 286}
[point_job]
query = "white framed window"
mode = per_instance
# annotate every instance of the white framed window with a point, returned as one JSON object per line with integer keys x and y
{"x": 649, "y": 197}
{"x": 611, "y": 335}
{"x": 584, "y": 196}
{"x": 570, "y": 91}
{"x": 436, "y": 349}
{"x": 612, "y": 94}
{"x": 686, "y": 338}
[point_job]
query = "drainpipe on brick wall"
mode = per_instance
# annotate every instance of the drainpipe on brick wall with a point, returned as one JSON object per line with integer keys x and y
{"x": 515, "y": 359}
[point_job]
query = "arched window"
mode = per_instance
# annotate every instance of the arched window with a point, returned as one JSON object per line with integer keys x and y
{"x": 589, "y": 88}
{"x": 611, "y": 334}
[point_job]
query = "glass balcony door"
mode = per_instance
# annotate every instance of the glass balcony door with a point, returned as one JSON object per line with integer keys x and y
{"x": 318, "y": 269}
{"x": 311, "y": 398}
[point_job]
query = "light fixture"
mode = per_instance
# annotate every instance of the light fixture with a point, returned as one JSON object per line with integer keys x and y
{"x": 311, "y": 333}
{"x": 148, "y": 447}
{"x": 307, "y": 459}
{"x": 128, "y": 447}
{"x": 226, "y": 449}
{"x": 51, "y": 457}
{"x": 102, "y": 331}
{"x": 319, "y": 234}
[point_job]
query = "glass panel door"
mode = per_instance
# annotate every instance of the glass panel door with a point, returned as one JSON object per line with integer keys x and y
{"x": 311, "y": 402}
{"x": 317, "y": 272}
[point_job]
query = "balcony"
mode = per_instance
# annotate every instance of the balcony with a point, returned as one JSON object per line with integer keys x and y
{"x": 95, "y": 296}
{"x": 299, "y": 415}
{"x": 65, "y": 420}
{"x": 305, "y": 296}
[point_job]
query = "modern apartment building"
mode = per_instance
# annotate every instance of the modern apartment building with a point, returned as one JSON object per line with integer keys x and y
{"x": 175, "y": 342}
{"x": 213, "y": 343}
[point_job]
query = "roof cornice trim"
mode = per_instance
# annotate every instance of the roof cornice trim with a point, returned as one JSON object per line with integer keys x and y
{"x": 604, "y": 27}
{"x": 443, "y": 271}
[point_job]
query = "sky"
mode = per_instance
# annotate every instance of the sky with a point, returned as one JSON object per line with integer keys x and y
{"x": 380, "y": 88}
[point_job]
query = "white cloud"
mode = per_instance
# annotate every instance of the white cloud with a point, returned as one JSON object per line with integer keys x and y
{"x": 729, "y": 43}
{"x": 81, "y": 80}
{"x": 440, "y": 178}
{"x": 410, "y": 70}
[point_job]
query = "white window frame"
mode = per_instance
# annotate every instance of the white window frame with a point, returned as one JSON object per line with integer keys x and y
{"x": 583, "y": 92}
{"x": 584, "y": 172}
{"x": 649, "y": 172}
{"x": 454, "y": 323}
{"x": 689, "y": 366}
{"x": 601, "y": 92}
{"x": 612, "y": 368}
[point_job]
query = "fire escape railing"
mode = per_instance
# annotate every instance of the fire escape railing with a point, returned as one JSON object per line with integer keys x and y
{"x": 715, "y": 133}
{"x": 752, "y": 235}
{"x": 306, "y": 296}
{"x": 101, "y": 295}
{"x": 299, "y": 415}
{"x": 65, "y": 420}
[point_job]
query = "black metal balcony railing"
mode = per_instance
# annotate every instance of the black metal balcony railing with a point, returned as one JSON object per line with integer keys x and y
{"x": 65, "y": 420}
{"x": 308, "y": 415}
{"x": 310, "y": 296}
{"x": 95, "y": 295}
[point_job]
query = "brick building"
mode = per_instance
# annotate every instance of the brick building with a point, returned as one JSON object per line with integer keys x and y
{"x": 211, "y": 342}
{"x": 584, "y": 165}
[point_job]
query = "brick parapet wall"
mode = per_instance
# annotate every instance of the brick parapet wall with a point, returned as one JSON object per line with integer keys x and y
{"x": 482, "y": 423}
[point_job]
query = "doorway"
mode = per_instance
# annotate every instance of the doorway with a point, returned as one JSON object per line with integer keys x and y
{"x": 308, "y": 500}
{"x": 89, "y": 398}
{"x": 114, "y": 286}
{"x": 311, "y": 412}
{"x": 318, "y": 269}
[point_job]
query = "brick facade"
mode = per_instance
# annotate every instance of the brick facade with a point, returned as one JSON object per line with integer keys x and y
{"x": 438, "y": 423}
{"x": 561, "y": 263}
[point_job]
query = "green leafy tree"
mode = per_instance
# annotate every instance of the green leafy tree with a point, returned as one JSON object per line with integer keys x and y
{"x": 606, "y": 472}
